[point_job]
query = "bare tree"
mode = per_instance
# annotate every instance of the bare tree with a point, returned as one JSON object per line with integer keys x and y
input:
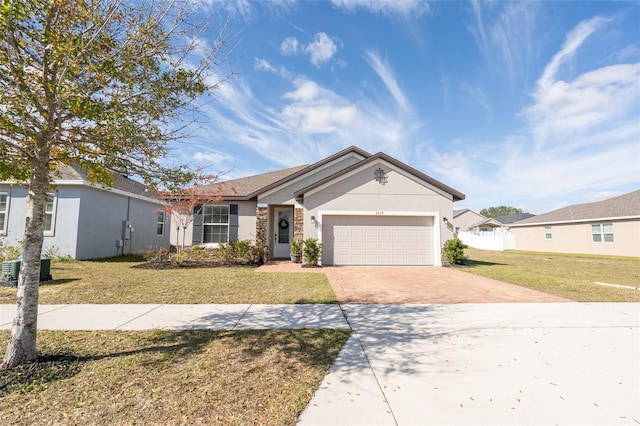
{"x": 184, "y": 204}
{"x": 103, "y": 84}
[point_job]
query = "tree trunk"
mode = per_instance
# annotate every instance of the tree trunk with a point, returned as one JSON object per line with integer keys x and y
{"x": 22, "y": 343}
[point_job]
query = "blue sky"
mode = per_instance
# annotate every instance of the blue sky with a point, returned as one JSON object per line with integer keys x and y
{"x": 529, "y": 104}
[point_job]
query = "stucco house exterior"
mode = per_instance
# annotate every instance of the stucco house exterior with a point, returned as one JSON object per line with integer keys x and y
{"x": 365, "y": 210}
{"x": 464, "y": 219}
{"x": 88, "y": 221}
{"x": 608, "y": 227}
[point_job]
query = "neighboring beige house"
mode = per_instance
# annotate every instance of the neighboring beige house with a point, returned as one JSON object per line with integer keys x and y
{"x": 465, "y": 219}
{"x": 365, "y": 210}
{"x": 609, "y": 227}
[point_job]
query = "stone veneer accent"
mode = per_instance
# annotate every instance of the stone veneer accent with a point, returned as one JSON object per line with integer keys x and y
{"x": 262, "y": 229}
{"x": 298, "y": 222}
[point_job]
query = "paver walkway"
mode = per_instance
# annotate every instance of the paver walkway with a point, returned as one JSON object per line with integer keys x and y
{"x": 414, "y": 284}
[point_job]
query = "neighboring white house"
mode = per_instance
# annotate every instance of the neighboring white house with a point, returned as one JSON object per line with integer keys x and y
{"x": 365, "y": 210}
{"x": 87, "y": 221}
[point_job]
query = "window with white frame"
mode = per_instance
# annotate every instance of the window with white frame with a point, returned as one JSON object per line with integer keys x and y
{"x": 215, "y": 224}
{"x": 602, "y": 233}
{"x": 4, "y": 204}
{"x": 160, "y": 224}
{"x": 547, "y": 233}
{"x": 50, "y": 214}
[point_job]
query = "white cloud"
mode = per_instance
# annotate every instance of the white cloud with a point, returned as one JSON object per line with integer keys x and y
{"x": 263, "y": 65}
{"x": 573, "y": 41}
{"x": 414, "y": 8}
{"x": 289, "y": 46}
{"x": 384, "y": 71}
{"x": 505, "y": 36}
{"x": 580, "y": 139}
{"x": 321, "y": 49}
{"x": 306, "y": 123}
{"x": 214, "y": 157}
{"x": 316, "y": 110}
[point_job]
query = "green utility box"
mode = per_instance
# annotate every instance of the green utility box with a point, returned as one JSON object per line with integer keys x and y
{"x": 11, "y": 269}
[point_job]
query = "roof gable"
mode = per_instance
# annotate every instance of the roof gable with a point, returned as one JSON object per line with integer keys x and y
{"x": 626, "y": 205}
{"x": 400, "y": 165}
{"x": 310, "y": 169}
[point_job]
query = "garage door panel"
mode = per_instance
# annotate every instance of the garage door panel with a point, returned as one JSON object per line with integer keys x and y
{"x": 373, "y": 240}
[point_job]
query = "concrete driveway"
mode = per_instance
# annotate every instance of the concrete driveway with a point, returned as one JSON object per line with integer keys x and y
{"x": 414, "y": 285}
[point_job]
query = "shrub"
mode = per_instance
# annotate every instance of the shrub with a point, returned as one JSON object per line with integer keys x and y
{"x": 55, "y": 254}
{"x": 241, "y": 252}
{"x": 295, "y": 247}
{"x": 157, "y": 254}
{"x": 180, "y": 259}
{"x": 312, "y": 250}
{"x": 454, "y": 251}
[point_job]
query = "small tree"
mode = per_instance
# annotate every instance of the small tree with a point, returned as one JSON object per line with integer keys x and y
{"x": 184, "y": 204}
{"x": 454, "y": 251}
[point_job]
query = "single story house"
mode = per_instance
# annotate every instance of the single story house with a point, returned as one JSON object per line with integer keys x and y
{"x": 88, "y": 221}
{"x": 464, "y": 219}
{"x": 365, "y": 210}
{"x": 609, "y": 227}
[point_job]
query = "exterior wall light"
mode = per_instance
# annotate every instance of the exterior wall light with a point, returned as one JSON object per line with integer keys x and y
{"x": 313, "y": 219}
{"x": 380, "y": 176}
{"x": 445, "y": 220}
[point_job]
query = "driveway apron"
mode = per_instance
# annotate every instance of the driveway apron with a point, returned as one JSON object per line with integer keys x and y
{"x": 484, "y": 364}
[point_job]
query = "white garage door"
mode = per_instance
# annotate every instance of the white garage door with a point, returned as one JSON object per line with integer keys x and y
{"x": 377, "y": 240}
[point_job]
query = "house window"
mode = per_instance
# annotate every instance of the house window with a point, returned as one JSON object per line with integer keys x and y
{"x": 160, "y": 224}
{"x": 602, "y": 233}
{"x": 547, "y": 233}
{"x": 215, "y": 224}
{"x": 4, "y": 203}
{"x": 50, "y": 214}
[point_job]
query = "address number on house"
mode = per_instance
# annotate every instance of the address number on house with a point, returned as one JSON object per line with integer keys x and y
{"x": 379, "y": 213}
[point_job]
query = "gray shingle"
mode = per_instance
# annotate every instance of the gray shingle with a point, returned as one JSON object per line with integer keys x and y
{"x": 621, "y": 206}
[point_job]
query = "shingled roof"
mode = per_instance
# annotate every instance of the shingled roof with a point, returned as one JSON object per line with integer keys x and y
{"x": 623, "y": 206}
{"x": 74, "y": 172}
{"x": 243, "y": 187}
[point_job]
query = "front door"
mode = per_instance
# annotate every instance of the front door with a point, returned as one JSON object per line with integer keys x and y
{"x": 282, "y": 231}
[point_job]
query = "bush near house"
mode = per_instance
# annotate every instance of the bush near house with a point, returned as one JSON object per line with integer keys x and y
{"x": 312, "y": 249}
{"x": 241, "y": 252}
{"x": 454, "y": 251}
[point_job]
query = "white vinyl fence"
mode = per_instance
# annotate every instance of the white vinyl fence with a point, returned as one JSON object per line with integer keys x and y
{"x": 489, "y": 240}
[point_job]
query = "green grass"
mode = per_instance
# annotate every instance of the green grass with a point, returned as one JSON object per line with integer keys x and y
{"x": 125, "y": 281}
{"x": 170, "y": 377}
{"x": 569, "y": 276}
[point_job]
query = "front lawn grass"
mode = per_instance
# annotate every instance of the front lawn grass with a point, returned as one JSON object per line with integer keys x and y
{"x": 170, "y": 377}
{"x": 569, "y": 276}
{"x": 126, "y": 281}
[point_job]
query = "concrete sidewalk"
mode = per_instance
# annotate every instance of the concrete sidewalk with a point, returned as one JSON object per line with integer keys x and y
{"x": 176, "y": 317}
{"x": 460, "y": 364}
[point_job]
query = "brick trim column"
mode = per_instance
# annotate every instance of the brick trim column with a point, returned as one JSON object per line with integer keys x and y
{"x": 262, "y": 229}
{"x": 298, "y": 223}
